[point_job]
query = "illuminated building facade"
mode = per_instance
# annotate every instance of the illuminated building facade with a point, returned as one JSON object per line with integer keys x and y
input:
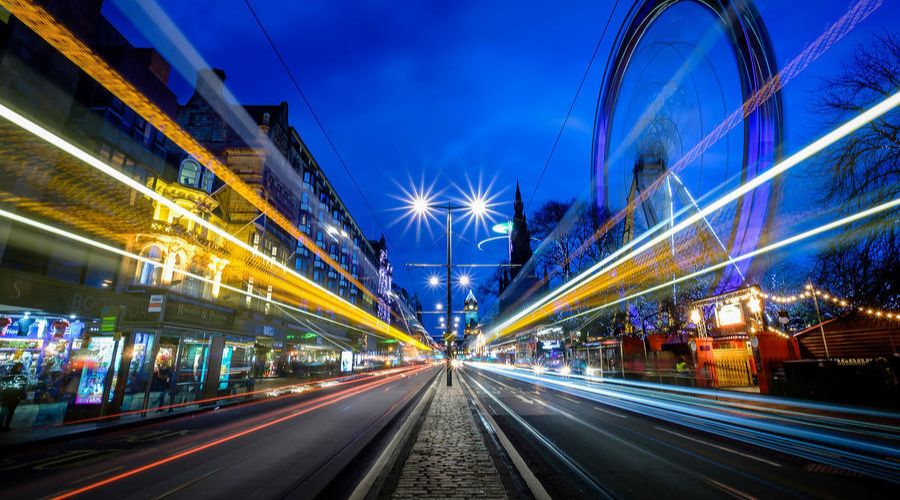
{"x": 154, "y": 292}
{"x": 258, "y": 143}
{"x": 166, "y": 336}
{"x": 470, "y": 308}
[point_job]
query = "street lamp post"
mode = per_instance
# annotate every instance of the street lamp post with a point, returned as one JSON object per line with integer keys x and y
{"x": 449, "y": 294}
{"x": 421, "y": 206}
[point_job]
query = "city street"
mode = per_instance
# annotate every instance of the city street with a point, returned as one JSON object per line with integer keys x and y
{"x": 286, "y": 446}
{"x": 398, "y": 250}
{"x": 580, "y": 448}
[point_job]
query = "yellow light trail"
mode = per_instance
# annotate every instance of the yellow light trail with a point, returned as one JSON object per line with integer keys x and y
{"x": 59, "y": 37}
{"x": 124, "y": 253}
{"x": 527, "y": 315}
{"x": 749, "y": 255}
{"x": 314, "y": 291}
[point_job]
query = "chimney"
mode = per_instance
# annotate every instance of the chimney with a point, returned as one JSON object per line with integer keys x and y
{"x": 210, "y": 82}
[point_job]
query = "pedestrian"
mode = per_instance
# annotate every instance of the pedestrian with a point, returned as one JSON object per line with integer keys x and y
{"x": 12, "y": 391}
{"x": 681, "y": 370}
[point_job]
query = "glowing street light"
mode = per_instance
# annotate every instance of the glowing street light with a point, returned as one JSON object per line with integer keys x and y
{"x": 421, "y": 206}
{"x": 695, "y": 316}
{"x": 476, "y": 206}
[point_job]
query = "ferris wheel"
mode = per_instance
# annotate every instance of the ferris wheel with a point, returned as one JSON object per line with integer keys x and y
{"x": 686, "y": 112}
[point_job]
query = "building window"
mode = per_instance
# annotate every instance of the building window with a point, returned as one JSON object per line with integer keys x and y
{"x": 189, "y": 173}
{"x": 208, "y": 179}
{"x": 149, "y": 273}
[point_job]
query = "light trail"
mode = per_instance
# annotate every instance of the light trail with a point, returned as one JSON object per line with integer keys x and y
{"x": 525, "y": 316}
{"x": 560, "y": 455}
{"x": 308, "y": 385}
{"x": 835, "y": 32}
{"x": 749, "y": 255}
{"x": 824, "y": 445}
{"x": 118, "y": 251}
{"x": 316, "y": 291}
{"x": 58, "y": 36}
{"x": 308, "y": 407}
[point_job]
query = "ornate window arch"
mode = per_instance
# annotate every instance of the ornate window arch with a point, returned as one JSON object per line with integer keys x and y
{"x": 150, "y": 274}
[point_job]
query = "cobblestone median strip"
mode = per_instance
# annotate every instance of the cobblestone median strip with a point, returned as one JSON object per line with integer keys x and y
{"x": 449, "y": 458}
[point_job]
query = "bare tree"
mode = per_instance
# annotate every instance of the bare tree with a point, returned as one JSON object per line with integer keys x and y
{"x": 565, "y": 230}
{"x": 863, "y": 261}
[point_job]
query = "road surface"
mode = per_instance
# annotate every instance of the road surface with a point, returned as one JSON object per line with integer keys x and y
{"x": 579, "y": 448}
{"x": 288, "y": 446}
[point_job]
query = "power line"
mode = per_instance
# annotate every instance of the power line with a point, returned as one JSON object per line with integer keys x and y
{"x": 315, "y": 116}
{"x": 587, "y": 71}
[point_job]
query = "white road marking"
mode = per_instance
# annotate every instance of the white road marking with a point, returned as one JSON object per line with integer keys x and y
{"x": 610, "y": 412}
{"x": 570, "y": 399}
{"x": 92, "y": 476}
{"x": 728, "y": 489}
{"x": 723, "y": 448}
{"x": 524, "y": 399}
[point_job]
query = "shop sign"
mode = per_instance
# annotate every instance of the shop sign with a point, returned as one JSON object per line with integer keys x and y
{"x": 156, "y": 303}
{"x": 38, "y": 292}
{"x": 729, "y": 315}
{"x": 196, "y": 314}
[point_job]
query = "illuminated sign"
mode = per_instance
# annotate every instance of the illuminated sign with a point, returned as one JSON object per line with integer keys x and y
{"x": 93, "y": 374}
{"x": 156, "y": 303}
{"x": 550, "y": 344}
{"x": 346, "y": 361}
{"x": 729, "y": 315}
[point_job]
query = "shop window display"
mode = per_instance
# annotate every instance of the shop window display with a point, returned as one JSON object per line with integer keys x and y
{"x": 237, "y": 365}
{"x": 45, "y": 347}
{"x": 192, "y": 369}
{"x": 163, "y": 372}
{"x": 97, "y": 359}
{"x": 139, "y": 373}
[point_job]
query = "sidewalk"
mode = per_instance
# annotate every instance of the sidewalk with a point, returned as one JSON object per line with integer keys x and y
{"x": 449, "y": 458}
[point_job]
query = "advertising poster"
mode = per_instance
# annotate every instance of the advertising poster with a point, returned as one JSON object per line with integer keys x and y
{"x": 96, "y": 364}
{"x": 226, "y": 367}
{"x": 346, "y": 361}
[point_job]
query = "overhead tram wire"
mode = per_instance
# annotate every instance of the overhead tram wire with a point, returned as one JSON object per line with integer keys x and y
{"x": 316, "y": 118}
{"x": 562, "y": 127}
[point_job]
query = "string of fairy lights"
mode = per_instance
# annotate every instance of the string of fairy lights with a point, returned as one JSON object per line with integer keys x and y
{"x": 809, "y": 292}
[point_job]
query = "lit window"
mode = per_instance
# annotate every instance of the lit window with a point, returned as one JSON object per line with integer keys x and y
{"x": 149, "y": 274}
{"x": 189, "y": 173}
{"x": 208, "y": 179}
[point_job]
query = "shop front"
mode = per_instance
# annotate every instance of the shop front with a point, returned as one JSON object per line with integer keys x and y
{"x": 46, "y": 326}
{"x": 182, "y": 350}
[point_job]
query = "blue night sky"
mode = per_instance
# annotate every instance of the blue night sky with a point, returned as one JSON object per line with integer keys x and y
{"x": 445, "y": 90}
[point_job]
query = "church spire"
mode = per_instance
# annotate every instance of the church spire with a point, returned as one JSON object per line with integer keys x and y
{"x": 520, "y": 237}
{"x": 518, "y": 205}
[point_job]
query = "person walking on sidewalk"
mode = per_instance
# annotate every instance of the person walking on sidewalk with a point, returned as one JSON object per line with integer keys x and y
{"x": 12, "y": 390}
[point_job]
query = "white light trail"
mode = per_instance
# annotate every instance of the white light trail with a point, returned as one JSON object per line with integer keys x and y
{"x": 749, "y": 255}
{"x": 85, "y": 157}
{"x": 795, "y": 159}
{"x": 109, "y": 248}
